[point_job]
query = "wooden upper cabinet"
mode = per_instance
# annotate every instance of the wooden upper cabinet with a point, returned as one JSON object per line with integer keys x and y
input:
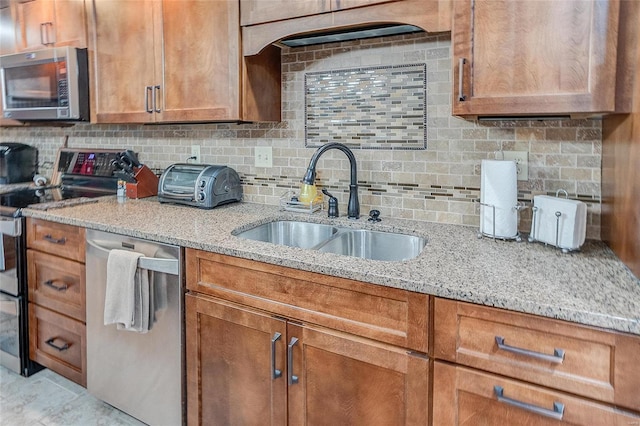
{"x": 534, "y": 57}
{"x": 44, "y": 23}
{"x": 177, "y": 61}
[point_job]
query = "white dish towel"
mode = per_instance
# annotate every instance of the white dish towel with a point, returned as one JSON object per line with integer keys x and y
{"x": 499, "y": 188}
{"x": 127, "y": 294}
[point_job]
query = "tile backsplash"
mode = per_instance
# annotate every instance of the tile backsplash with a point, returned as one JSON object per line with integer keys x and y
{"x": 439, "y": 183}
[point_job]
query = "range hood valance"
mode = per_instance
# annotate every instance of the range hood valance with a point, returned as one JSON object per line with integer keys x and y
{"x": 349, "y": 34}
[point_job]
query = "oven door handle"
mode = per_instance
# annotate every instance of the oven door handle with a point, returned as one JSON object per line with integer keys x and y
{"x": 11, "y": 227}
{"x": 155, "y": 264}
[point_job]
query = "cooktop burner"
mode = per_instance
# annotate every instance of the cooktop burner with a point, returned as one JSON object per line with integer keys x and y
{"x": 12, "y": 202}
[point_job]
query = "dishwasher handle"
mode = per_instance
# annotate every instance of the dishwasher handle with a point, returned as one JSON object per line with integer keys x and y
{"x": 155, "y": 264}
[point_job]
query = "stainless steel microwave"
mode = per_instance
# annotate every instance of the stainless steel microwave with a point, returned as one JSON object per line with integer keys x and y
{"x": 51, "y": 84}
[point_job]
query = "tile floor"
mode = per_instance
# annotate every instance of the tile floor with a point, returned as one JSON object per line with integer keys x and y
{"x": 47, "y": 399}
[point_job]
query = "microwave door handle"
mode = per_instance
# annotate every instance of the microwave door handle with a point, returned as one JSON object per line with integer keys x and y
{"x": 3, "y": 265}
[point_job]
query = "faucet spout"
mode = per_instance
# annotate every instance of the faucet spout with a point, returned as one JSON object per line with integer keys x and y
{"x": 353, "y": 208}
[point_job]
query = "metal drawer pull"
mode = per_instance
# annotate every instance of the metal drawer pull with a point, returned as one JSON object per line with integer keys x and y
{"x": 53, "y": 345}
{"x": 558, "y": 408}
{"x": 292, "y": 378}
{"x": 50, "y": 238}
{"x": 461, "y": 96}
{"x": 51, "y": 283}
{"x": 275, "y": 373}
{"x": 557, "y": 357}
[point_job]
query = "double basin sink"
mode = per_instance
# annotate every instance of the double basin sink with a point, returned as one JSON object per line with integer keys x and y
{"x": 363, "y": 243}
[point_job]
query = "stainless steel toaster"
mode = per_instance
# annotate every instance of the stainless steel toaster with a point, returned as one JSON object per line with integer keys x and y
{"x": 199, "y": 185}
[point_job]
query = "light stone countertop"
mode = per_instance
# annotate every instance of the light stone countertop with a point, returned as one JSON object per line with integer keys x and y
{"x": 591, "y": 287}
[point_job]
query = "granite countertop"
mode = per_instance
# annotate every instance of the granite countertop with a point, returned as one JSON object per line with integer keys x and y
{"x": 591, "y": 287}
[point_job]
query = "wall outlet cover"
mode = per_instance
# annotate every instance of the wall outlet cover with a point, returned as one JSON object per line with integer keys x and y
{"x": 195, "y": 154}
{"x": 263, "y": 156}
{"x": 522, "y": 160}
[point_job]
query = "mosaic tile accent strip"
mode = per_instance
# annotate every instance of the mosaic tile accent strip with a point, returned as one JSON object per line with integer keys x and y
{"x": 369, "y": 108}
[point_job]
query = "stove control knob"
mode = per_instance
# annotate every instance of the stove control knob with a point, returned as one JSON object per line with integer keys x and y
{"x": 203, "y": 183}
{"x": 201, "y": 196}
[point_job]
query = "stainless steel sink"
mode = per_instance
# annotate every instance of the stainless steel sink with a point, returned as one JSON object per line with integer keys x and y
{"x": 290, "y": 233}
{"x": 364, "y": 243}
{"x": 375, "y": 245}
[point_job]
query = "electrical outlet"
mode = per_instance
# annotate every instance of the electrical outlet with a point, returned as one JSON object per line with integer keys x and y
{"x": 264, "y": 156}
{"x": 195, "y": 154}
{"x": 522, "y": 161}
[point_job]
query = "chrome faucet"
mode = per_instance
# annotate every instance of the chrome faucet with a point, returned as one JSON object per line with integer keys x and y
{"x": 353, "y": 209}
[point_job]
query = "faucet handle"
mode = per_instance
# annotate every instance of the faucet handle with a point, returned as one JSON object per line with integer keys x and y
{"x": 374, "y": 216}
{"x": 333, "y": 204}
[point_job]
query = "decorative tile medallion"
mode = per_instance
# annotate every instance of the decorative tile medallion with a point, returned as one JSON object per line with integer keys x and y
{"x": 382, "y": 107}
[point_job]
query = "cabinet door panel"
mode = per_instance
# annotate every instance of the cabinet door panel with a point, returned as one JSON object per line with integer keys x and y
{"x": 8, "y": 33}
{"x": 201, "y": 78}
{"x": 348, "y": 4}
{"x": 534, "y": 57}
{"x": 344, "y": 379}
{"x": 229, "y": 370}
{"x": 124, "y": 60}
{"x": 34, "y": 16}
{"x": 70, "y": 23}
{"x": 259, "y": 11}
{"x": 467, "y": 397}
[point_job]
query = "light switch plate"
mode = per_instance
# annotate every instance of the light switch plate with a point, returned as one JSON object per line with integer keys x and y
{"x": 263, "y": 156}
{"x": 522, "y": 161}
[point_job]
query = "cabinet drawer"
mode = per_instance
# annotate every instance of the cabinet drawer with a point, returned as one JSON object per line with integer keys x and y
{"x": 58, "y": 342}
{"x": 56, "y": 238}
{"x": 394, "y": 316}
{"x": 558, "y": 354}
{"x": 464, "y": 396}
{"x": 57, "y": 284}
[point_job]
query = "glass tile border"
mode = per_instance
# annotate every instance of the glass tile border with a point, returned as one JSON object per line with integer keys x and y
{"x": 390, "y": 115}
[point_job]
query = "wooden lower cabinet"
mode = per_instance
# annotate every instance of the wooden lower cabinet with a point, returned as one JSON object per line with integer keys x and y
{"x": 247, "y": 367}
{"x": 463, "y": 396}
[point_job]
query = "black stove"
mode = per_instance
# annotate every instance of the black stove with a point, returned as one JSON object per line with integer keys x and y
{"x": 79, "y": 175}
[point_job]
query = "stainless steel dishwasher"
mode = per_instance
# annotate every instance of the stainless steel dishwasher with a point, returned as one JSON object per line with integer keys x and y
{"x": 140, "y": 374}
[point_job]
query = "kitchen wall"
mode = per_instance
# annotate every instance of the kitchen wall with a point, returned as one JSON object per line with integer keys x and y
{"x": 438, "y": 183}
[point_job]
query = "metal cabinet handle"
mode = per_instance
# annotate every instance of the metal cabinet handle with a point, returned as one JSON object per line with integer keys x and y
{"x": 50, "y": 238}
{"x": 156, "y": 95}
{"x": 275, "y": 373}
{"x": 51, "y": 283}
{"x": 293, "y": 379}
{"x": 147, "y": 91}
{"x": 558, "y": 408}
{"x": 557, "y": 357}
{"x": 59, "y": 348}
{"x": 461, "y": 95}
{"x": 45, "y": 33}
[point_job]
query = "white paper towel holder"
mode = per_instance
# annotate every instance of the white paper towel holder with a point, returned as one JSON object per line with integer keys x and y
{"x": 517, "y": 207}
